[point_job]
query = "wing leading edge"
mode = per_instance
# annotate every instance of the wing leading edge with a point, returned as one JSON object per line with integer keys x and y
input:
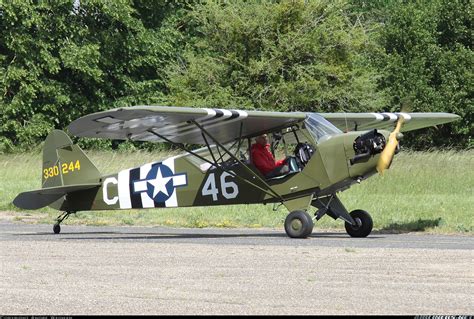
{"x": 367, "y": 121}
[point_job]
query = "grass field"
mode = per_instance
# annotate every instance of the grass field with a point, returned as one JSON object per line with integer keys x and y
{"x": 423, "y": 191}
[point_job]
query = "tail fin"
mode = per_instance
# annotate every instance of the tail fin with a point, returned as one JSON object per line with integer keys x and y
{"x": 65, "y": 163}
{"x": 65, "y": 169}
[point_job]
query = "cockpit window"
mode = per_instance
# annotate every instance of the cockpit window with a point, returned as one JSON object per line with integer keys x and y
{"x": 214, "y": 153}
{"x": 319, "y": 127}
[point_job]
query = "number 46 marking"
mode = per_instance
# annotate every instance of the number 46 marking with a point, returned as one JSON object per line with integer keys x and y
{"x": 229, "y": 189}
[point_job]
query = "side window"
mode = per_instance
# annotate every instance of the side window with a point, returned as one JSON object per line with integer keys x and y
{"x": 213, "y": 153}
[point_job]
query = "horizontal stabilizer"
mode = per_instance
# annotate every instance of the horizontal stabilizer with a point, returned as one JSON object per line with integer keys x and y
{"x": 43, "y": 197}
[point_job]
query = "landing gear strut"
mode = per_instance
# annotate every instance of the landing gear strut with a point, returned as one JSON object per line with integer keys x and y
{"x": 358, "y": 223}
{"x": 59, "y": 220}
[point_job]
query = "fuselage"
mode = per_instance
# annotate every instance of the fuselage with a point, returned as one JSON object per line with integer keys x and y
{"x": 183, "y": 181}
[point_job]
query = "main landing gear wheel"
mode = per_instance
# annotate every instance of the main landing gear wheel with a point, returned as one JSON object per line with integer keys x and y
{"x": 364, "y": 224}
{"x": 298, "y": 224}
{"x": 56, "y": 228}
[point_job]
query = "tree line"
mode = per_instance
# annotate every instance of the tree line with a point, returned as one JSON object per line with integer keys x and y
{"x": 62, "y": 59}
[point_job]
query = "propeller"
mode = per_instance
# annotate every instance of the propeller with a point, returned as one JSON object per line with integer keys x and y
{"x": 388, "y": 152}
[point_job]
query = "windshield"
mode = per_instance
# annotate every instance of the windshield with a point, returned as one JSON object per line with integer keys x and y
{"x": 319, "y": 127}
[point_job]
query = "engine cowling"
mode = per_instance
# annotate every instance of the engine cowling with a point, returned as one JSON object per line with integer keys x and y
{"x": 367, "y": 145}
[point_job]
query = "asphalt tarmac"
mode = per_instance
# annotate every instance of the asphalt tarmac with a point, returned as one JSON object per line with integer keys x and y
{"x": 89, "y": 270}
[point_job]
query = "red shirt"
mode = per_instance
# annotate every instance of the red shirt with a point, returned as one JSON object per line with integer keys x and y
{"x": 263, "y": 159}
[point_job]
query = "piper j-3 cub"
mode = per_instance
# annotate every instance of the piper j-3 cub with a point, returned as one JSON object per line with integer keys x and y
{"x": 326, "y": 154}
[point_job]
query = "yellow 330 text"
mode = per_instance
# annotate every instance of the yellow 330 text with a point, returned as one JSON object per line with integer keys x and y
{"x": 65, "y": 168}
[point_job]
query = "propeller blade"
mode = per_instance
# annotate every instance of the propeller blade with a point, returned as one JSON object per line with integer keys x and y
{"x": 388, "y": 152}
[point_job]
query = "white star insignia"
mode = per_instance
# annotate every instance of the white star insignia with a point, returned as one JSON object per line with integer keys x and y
{"x": 159, "y": 183}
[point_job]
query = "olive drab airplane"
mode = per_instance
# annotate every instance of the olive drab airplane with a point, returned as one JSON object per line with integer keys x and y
{"x": 326, "y": 153}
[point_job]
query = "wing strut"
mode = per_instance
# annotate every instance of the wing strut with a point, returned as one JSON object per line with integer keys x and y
{"x": 274, "y": 194}
{"x": 270, "y": 191}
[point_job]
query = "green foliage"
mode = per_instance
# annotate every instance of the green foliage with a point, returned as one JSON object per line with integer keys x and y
{"x": 428, "y": 65}
{"x": 60, "y": 60}
{"x": 286, "y": 56}
{"x": 63, "y": 59}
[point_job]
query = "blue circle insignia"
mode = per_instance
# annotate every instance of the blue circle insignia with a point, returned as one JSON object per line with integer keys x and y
{"x": 160, "y": 185}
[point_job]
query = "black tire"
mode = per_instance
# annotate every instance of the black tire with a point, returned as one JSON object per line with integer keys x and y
{"x": 56, "y": 228}
{"x": 298, "y": 224}
{"x": 364, "y": 222}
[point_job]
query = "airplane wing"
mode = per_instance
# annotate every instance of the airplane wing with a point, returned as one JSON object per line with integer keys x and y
{"x": 367, "y": 121}
{"x": 151, "y": 123}
{"x": 139, "y": 123}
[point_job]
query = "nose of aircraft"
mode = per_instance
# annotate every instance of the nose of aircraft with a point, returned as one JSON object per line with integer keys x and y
{"x": 367, "y": 145}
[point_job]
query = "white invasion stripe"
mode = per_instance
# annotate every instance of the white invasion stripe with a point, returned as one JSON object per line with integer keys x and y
{"x": 378, "y": 116}
{"x": 176, "y": 128}
{"x": 242, "y": 114}
{"x": 124, "y": 189}
{"x": 405, "y": 116}
{"x": 210, "y": 113}
{"x": 219, "y": 121}
{"x": 227, "y": 114}
{"x": 171, "y": 131}
{"x": 208, "y": 124}
{"x": 170, "y": 163}
{"x": 173, "y": 200}
{"x": 370, "y": 123}
{"x": 392, "y": 116}
{"x": 147, "y": 202}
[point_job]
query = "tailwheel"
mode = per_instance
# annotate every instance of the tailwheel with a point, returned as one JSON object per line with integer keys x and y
{"x": 298, "y": 224}
{"x": 59, "y": 220}
{"x": 363, "y": 225}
